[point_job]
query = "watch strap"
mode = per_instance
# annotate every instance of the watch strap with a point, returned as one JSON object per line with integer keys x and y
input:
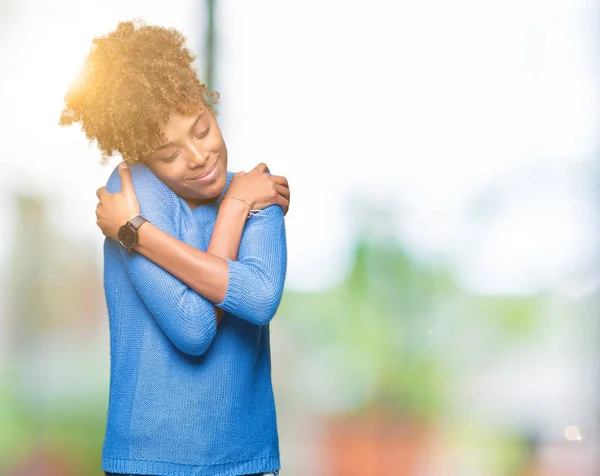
{"x": 137, "y": 221}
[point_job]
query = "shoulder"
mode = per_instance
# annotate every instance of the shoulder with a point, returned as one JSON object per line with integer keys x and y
{"x": 154, "y": 196}
{"x": 227, "y": 182}
{"x": 230, "y": 174}
{"x": 142, "y": 178}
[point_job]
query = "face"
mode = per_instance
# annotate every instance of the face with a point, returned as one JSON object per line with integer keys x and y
{"x": 193, "y": 160}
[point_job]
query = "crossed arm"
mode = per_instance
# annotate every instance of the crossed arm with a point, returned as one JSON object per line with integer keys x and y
{"x": 183, "y": 286}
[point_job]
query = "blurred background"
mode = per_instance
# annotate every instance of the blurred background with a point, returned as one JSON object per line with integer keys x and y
{"x": 440, "y": 315}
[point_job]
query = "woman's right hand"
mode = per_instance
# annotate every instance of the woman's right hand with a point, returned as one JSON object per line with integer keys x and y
{"x": 260, "y": 189}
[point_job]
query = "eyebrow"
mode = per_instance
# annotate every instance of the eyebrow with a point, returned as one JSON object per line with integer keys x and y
{"x": 169, "y": 144}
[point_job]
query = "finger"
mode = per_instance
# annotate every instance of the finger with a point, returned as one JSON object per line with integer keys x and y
{"x": 284, "y": 203}
{"x": 98, "y": 225}
{"x": 283, "y": 191}
{"x": 100, "y": 192}
{"x": 280, "y": 179}
{"x": 125, "y": 174}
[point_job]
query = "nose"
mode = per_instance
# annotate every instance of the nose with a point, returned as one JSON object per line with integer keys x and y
{"x": 198, "y": 157}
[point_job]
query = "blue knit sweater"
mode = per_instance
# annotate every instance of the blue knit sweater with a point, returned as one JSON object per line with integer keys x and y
{"x": 188, "y": 398}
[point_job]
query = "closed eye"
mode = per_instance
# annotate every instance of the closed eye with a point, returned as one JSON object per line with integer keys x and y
{"x": 202, "y": 134}
{"x": 171, "y": 158}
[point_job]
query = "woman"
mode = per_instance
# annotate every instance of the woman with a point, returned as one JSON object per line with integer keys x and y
{"x": 190, "y": 388}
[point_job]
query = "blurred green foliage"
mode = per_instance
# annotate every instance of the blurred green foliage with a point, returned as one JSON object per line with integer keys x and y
{"x": 67, "y": 434}
{"x": 390, "y": 325}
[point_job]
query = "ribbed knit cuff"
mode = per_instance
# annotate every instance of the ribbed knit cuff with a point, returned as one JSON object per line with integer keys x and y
{"x": 164, "y": 468}
{"x": 236, "y": 288}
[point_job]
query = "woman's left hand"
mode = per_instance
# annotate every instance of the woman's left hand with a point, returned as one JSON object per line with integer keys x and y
{"x": 114, "y": 209}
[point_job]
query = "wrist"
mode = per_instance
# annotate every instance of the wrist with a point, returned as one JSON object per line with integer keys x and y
{"x": 122, "y": 222}
{"x": 128, "y": 234}
{"x": 237, "y": 201}
{"x": 231, "y": 203}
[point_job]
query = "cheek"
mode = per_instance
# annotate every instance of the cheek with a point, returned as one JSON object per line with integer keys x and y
{"x": 171, "y": 174}
{"x": 216, "y": 142}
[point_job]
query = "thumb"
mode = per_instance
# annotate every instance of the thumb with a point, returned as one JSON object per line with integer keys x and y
{"x": 262, "y": 168}
{"x": 125, "y": 174}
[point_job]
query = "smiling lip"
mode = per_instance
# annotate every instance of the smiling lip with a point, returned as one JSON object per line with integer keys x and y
{"x": 208, "y": 175}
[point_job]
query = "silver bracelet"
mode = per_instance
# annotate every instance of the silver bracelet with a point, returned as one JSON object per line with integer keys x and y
{"x": 252, "y": 212}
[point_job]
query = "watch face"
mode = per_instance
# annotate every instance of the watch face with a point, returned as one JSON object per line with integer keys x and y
{"x": 127, "y": 236}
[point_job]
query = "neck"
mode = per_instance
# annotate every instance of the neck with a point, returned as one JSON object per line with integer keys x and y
{"x": 193, "y": 203}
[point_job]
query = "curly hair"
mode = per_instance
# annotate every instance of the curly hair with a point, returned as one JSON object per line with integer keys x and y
{"x": 132, "y": 80}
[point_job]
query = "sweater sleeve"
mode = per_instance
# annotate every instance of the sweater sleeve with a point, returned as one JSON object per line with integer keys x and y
{"x": 187, "y": 318}
{"x": 256, "y": 280}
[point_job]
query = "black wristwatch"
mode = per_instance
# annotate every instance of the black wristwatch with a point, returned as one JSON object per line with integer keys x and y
{"x": 128, "y": 233}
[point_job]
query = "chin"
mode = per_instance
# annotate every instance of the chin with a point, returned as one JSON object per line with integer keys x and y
{"x": 213, "y": 189}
